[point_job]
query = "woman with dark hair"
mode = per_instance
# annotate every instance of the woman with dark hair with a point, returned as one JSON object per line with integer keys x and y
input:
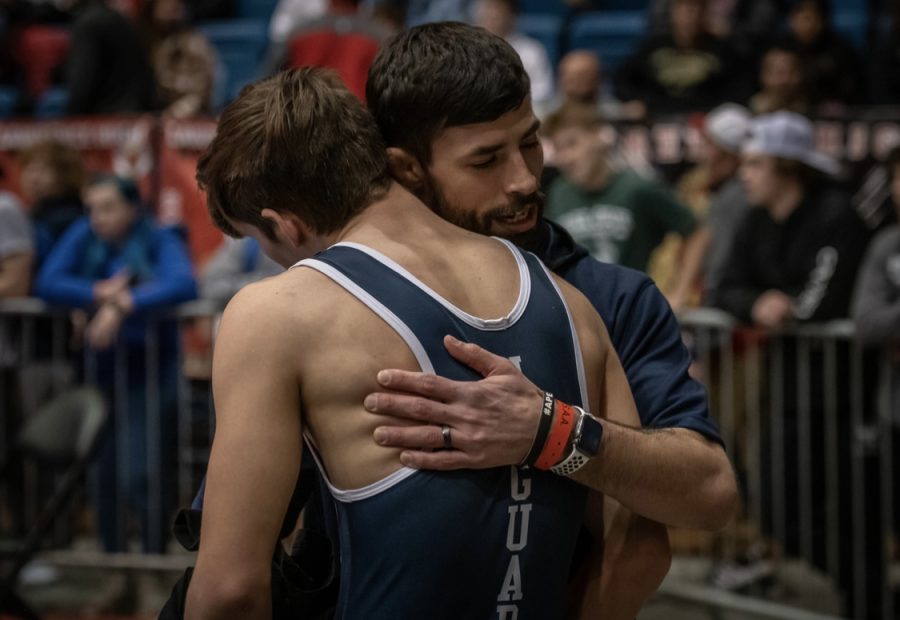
{"x": 52, "y": 176}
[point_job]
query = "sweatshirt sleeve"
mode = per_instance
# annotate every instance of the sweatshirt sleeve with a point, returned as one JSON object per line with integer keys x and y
{"x": 173, "y": 281}
{"x": 876, "y": 303}
{"x": 58, "y": 282}
{"x": 736, "y": 292}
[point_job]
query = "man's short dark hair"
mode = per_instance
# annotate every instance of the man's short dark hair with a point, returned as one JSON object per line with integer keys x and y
{"x": 298, "y": 142}
{"x": 442, "y": 75}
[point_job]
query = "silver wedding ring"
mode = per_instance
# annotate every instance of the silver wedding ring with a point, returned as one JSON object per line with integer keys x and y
{"x": 448, "y": 441}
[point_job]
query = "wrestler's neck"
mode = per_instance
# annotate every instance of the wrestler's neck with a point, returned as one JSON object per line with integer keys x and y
{"x": 391, "y": 217}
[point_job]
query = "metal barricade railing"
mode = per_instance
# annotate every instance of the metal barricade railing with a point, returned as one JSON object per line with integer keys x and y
{"x": 155, "y": 458}
{"x": 810, "y": 436}
{"x": 805, "y": 416}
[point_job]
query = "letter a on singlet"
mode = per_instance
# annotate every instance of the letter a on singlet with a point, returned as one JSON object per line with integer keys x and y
{"x": 511, "y": 590}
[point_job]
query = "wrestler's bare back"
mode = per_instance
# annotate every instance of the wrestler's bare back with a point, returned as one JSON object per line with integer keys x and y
{"x": 338, "y": 345}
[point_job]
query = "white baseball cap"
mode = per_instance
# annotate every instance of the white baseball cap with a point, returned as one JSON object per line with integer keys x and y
{"x": 728, "y": 126}
{"x": 790, "y": 136}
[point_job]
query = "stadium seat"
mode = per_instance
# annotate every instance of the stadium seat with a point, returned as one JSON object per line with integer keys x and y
{"x": 52, "y": 104}
{"x": 852, "y": 24}
{"x": 546, "y": 28}
{"x": 40, "y": 51}
{"x": 537, "y": 7}
{"x": 612, "y": 35}
{"x": 256, "y": 9}
{"x": 9, "y": 97}
{"x": 240, "y": 44}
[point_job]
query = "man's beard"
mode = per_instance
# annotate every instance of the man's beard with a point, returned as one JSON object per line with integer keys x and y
{"x": 480, "y": 222}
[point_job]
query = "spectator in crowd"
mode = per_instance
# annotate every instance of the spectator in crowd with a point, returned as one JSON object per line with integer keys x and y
{"x": 714, "y": 194}
{"x": 107, "y": 71}
{"x": 781, "y": 81}
{"x": 184, "y": 61}
{"x": 684, "y": 70}
{"x": 617, "y": 215}
{"x": 235, "y": 264}
{"x": 883, "y": 60}
{"x": 876, "y": 301}
{"x": 120, "y": 266}
{"x": 287, "y": 17}
{"x": 16, "y": 255}
{"x": 342, "y": 39}
{"x": 499, "y": 18}
{"x": 747, "y": 24}
{"x": 794, "y": 256}
{"x": 581, "y": 82}
{"x": 52, "y": 177}
{"x": 876, "y": 315}
{"x": 830, "y": 63}
{"x": 16, "y": 248}
{"x": 725, "y": 130}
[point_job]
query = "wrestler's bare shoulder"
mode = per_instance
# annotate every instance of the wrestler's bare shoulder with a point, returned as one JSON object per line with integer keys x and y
{"x": 298, "y": 297}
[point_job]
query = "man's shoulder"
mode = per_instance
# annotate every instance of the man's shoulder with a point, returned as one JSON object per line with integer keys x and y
{"x": 610, "y": 288}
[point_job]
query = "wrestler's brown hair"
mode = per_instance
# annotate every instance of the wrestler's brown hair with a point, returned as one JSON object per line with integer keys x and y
{"x": 298, "y": 142}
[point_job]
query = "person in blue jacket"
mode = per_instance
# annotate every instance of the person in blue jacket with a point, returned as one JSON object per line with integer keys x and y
{"x": 122, "y": 268}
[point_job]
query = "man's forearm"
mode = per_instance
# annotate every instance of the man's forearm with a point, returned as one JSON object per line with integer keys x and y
{"x": 672, "y": 476}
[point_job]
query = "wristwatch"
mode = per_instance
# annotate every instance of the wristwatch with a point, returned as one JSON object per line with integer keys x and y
{"x": 585, "y": 444}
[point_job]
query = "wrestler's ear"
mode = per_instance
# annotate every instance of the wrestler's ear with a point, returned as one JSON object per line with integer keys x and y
{"x": 405, "y": 168}
{"x": 289, "y": 228}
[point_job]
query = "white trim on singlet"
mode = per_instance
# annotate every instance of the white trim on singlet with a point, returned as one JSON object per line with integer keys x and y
{"x": 348, "y": 496}
{"x": 375, "y": 306}
{"x": 579, "y": 361}
{"x": 351, "y": 495}
{"x": 478, "y": 323}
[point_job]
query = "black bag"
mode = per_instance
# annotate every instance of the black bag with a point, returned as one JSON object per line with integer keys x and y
{"x": 305, "y": 581}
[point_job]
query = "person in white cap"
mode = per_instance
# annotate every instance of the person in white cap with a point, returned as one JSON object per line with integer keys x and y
{"x": 725, "y": 130}
{"x": 795, "y": 256}
{"x": 794, "y": 259}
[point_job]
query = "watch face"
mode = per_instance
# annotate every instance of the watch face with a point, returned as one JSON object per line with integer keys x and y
{"x": 591, "y": 436}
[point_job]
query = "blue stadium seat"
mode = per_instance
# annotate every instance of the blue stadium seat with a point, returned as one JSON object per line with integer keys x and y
{"x": 240, "y": 44}
{"x": 553, "y": 7}
{"x": 852, "y": 25}
{"x": 52, "y": 104}
{"x": 9, "y": 97}
{"x": 546, "y": 28}
{"x": 612, "y": 35}
{"x": 256, "y": 9}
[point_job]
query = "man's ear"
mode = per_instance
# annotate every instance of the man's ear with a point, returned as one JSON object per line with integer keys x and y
{"x": 288, "y": 227}
{"x": 405, "y": 168}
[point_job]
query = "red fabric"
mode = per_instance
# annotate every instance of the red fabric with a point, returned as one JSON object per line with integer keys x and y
{"x": 40, "y": 50}
{"x": 349, "y": 54}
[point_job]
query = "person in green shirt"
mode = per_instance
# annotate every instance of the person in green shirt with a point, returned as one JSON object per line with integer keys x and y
{"x": 619, "y": 216}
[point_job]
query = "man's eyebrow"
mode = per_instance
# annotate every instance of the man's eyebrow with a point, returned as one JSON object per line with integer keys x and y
{"x": 489, "y": 149}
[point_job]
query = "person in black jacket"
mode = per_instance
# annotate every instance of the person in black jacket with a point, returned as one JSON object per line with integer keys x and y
{"x": 108, "y": 71}
{"x": 794, "y": 259}
{"x": 794, "y": 256}
{"x": 685, "y": 70}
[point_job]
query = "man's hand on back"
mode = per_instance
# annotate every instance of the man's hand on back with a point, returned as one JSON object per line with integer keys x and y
{"x": 493, "y": 421}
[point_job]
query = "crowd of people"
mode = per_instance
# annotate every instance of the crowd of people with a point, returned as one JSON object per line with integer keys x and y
{"x": 762, "y": 227}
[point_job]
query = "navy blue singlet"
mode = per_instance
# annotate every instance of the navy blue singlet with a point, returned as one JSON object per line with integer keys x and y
{"x": 485, "y": 544}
